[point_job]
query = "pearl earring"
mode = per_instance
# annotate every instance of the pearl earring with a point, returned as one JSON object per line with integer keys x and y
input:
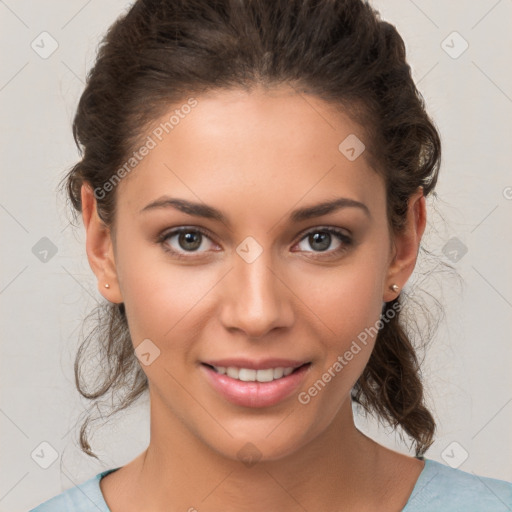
{"x": 395, "y": 287}
{"x": 107, "y": 285}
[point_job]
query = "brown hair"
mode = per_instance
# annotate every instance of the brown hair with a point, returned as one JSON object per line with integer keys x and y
{"x": 162, "y": 51}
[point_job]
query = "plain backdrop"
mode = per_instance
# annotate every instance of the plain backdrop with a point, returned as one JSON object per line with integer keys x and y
{"x": 460, "y": 54}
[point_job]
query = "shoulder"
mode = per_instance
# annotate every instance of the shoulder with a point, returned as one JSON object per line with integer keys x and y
{"x": 79, "y": 498}
{"x": 441, "y": 487}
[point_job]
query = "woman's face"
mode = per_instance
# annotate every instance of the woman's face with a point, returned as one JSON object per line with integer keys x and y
{"x": 254, "y": 281}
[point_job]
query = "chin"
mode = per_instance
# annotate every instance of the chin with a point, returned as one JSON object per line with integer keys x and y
{"x": 272, "y": 442}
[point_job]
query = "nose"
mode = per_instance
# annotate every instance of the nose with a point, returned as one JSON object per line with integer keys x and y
{"x": 256, "y": 298}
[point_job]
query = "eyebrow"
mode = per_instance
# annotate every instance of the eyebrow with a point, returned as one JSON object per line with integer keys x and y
{"x": 299, "y": 215}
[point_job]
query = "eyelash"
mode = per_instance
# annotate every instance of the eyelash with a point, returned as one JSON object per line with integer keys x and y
{"x": 342, "y": 237}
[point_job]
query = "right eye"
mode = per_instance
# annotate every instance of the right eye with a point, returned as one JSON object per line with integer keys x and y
{"x": 187, "y": 240}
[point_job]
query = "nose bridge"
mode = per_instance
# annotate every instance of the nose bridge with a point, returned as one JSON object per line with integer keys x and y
{"x": 257, "y": 300}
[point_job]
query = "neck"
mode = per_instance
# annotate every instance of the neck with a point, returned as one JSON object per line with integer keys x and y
{"x": 179, "y": 469}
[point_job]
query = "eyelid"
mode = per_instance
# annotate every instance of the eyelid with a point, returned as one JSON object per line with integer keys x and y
{"x": 331, "y": 229}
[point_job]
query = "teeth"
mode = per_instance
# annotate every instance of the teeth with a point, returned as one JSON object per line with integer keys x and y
{"x": 264, "y": 375}
{"x": 278, "y": 373}
{"x": 250, "y": 375}
{"x": 232, "y": 372}
{"x": 247, "y": 375}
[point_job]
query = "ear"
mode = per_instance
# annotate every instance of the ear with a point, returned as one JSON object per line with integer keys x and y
{"x": 405, "y": 245}
{"x": 99, "y": 246}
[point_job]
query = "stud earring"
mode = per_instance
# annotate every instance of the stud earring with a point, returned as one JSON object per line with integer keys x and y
{"x": 395, "y": 287}
{"x": 107, "y": 285}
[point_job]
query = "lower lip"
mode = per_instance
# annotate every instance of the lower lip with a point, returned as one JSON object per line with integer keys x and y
{"x": 255, "y": 394}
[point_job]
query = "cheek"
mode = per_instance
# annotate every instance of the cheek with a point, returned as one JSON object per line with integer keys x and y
{"x": 345, "y": 303}
{"x": 161, "y": 298}
{"x": 349, "y": 309}
{"x": 345, "y": 299}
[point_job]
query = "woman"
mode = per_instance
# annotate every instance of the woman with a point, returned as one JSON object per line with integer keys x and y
{"x": 253, "y": 188}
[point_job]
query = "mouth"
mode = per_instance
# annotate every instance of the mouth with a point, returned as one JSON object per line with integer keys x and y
{"x": 264, "y": 386}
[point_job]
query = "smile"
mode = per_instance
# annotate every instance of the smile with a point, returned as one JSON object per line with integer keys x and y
{"x": 255, "y": 387}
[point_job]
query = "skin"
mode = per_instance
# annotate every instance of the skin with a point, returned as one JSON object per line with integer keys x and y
{"x": 255, "y": 156}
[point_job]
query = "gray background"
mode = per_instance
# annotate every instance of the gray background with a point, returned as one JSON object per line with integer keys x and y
{"x": 44, "y": 296}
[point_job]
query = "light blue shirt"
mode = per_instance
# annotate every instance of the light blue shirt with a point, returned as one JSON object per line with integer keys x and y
{"x": 439, "y": 488}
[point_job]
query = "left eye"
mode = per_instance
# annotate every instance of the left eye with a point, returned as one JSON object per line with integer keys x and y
{"x": 321, "y": 239}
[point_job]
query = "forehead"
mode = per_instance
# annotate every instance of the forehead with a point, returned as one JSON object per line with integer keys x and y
{"x": 257, "y": 147}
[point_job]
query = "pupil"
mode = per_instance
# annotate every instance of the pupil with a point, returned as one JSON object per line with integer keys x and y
{"x": 323, "y": 238}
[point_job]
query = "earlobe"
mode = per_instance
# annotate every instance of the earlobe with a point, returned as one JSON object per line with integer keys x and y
{"x": 406, "y": 245}
{"x": 99, "y": 247}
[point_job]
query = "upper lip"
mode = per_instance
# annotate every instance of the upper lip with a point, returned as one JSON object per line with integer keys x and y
{"x": 261, "y": 364}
